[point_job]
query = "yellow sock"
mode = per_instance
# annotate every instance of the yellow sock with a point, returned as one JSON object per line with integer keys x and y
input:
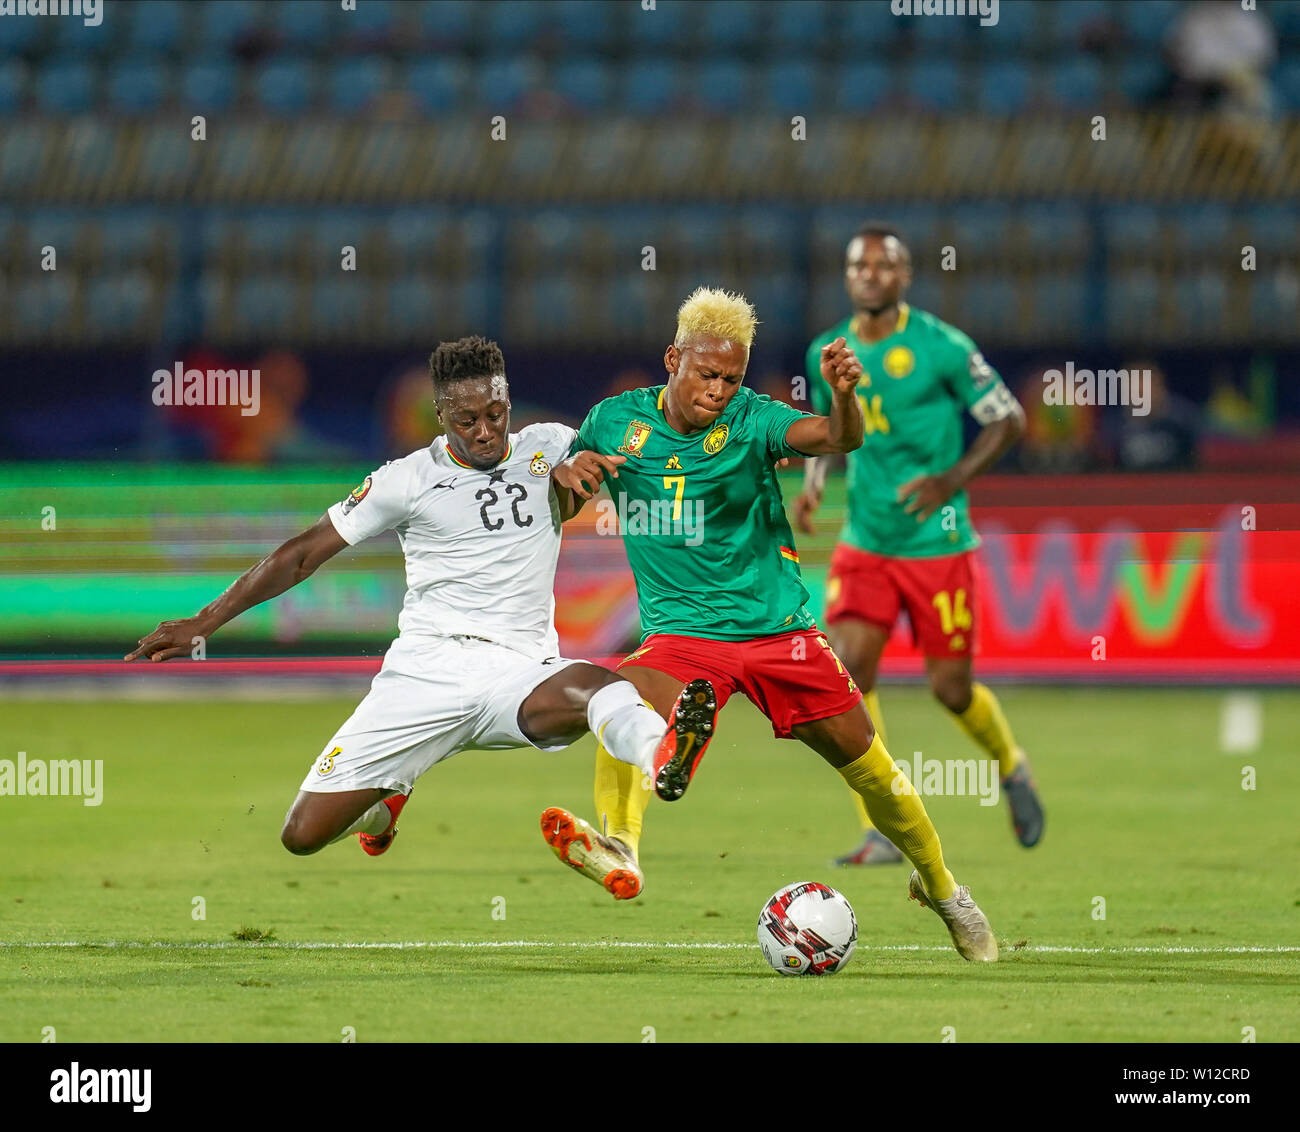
{"x": 984, "y": 722}
{"x": 621, "y": 798}
{"x": 897, "y": 811}
{"x": 873, "y": 710}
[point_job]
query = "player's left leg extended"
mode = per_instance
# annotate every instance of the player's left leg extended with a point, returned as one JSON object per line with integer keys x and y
{"x": 898, "y": 812}
{"x": 976, "y": 711}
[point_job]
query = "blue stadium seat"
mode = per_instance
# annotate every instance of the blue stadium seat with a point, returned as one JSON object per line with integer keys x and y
{"x": 223, "y": 25}
{"x": 46, "y": 301}
{"x": 273, "y": 237}
{"x": 409, "y": 306}
{"x": 264, "y": 306}
{"x": 208, "y": 84}
{"x": 305, "y": 25}
{"x": 1201, "y": 300}
{"x": 1141, "y": 79}
{"x": 1059, "y": 302}
{"x": 339, "y": 306}
{"x": 632, "y": 303}
{"x": 663, "y": 31}
{"x": 866, "y": 24}
{"x": 1132, "y": 304}
{"x": 129, "y": 237}
{"x": 136, "y": 85}
{"x": 372, "y": 20}
{"x": 722, "y": 85}
{"x": 584, "y": 82}
{"x": 1067, "y": 22}
{"x": 154, "y": 25}
{"x": 438, "y": 84}
{"x": 586, "y": 26}
{"x": 940, "y": 33}
{"x": 934, "y": 85}
{"x": 1205, "y": 229}
{"x": 13, "y": 81}
{"x": 1015, "y": 32}
{"x": 19, "y": 34}
{"x": 920, "y": 226}
{"x": 790, "y": 86}
{"x": 1273, "y": 305}
{"x": 501, "y": 83}
{"x": 286, "y": 86}
{"x": 650, "y": 85}
{"x": 551, "y": 303}
{"x": 987, "y": 304}
{"x": 335, "y": 230}
{"x": 1285, "y": 17}
{"x": 512, "y": 23}
{"x": 982, "y": 234}
{"x": 448, "y": 23}
{"x": 59, "y": 230}
{"x": 1147, "y": 23}
{"x": 72, "y": 36}
{"x": 778, "y": 298}
{"x": 355, "y": 83}
{"x": 1273, "y": 226}
{"x": 860, "y": 87}
{"x": 1134, "y": 231}
{"x": 1004, "y": 87}
{"x": 414, "y": 234}
{"x": 117, "y": 305}
{"x": 1076, "y": 83}
{"x": 1288, "y": 84}
{"x": 1054, "y": 230}
{"x": 730, "y": 25}
{"x": 65, "y": 87}
{"x": 798, "y": 26}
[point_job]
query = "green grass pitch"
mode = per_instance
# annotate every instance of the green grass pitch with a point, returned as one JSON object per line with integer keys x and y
{"x": 1199, "y": 939}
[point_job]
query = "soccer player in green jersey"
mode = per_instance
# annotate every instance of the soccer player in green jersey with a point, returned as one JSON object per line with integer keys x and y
{"x": 907, "y": 541}
{"x": 723, "y": 606}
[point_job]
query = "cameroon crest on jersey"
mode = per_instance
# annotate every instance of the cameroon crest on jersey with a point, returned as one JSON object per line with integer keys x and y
{"x": 638, "y": 432}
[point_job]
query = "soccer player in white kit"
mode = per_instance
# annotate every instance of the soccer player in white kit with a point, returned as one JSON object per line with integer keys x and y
{"x": 476, "y": 663}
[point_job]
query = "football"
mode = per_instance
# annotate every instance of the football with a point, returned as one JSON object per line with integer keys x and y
{"x": 807, "y": 929}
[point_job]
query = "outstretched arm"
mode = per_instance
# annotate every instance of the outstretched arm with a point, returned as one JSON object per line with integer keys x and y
{"x": 286, "y": 566}
{"x": 841, "y": 430}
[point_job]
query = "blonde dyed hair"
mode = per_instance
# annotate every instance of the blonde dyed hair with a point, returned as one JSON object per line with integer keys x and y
{"x": 714, "y": 313}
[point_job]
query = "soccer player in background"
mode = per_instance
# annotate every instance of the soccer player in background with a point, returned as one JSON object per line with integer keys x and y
{"x": 476, "y": 663}
{"x": 908, "y": 542}
{"x": 719, "y": 589}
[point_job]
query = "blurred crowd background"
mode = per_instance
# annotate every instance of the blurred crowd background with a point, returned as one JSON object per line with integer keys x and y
{"x": 220, "y": 244}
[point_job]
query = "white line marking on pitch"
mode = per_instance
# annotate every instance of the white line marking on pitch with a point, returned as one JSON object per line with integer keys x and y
{"x": 589, "y": 945}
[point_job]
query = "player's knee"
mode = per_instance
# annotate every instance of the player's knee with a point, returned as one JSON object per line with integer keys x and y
{"x": 298, "y": 839}
{"x": 953, "y": 690}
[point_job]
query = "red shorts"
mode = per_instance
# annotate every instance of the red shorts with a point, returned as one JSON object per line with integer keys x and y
{"x": 938, "y": 594}
{"x": 793, "y": 678}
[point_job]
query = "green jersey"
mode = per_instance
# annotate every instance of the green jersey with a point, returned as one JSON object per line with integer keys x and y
{"x": 917, "y": 385}
{"x": 701, "y": 516}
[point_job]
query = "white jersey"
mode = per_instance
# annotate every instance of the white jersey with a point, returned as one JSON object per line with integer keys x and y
{"x": 481, "y": 546}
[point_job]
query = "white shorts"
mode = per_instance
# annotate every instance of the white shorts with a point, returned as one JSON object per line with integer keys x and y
{"x": 433, "y": 697}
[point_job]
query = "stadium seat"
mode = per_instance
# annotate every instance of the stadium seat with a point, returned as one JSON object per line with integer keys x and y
{"x": 860, "y": 87}
{"x": 986, "y": 305}
{"x": 870, "y": 26}
{"x": 130, "y": 237}
{"x": 1275, "y": 303}
{"x": 586, "y": 83}
{"x": 1200, "y": 299}
{"x": 65, "y": 87}
{"x": 1016, "y": 31}
{"x": 409, "y": 306}
{"x": 982, "y": 235}
{"x": 154, "y": 25}
{"x": 511, "y": 24}
{"x": 586, "y": 27}
{"x": 208, "y": 84}
{"x": 285, "y": 86}
{"x": 63, "y": 231}
{"x": 1273, "y": 226}
{"x": 272, "y": 238}
{"x": 355, "y": 83}
{"x": 663, "y": 32}
{"x": 1076, "y": 83}
{"x": 500, "y": 83}
{"x": 1146, "y": 24}
{"x": 264, "y": 306}
{"x": 448, "y": 23}
{"x": 1132, "y": 305}
{"x": 1141, "y": 79}
{"x": 1206, "y": 230}
{"x": 136, "y": 85}
{"x": 305, "y": 25}
{"x": 650, "y": 85}
{"x": 415, "y": 235}
{"x": 722, "y": 86}
{"x": 339, "y": 306}
{"x": 222, "y": 26}
{"x": 1133, "y": 232}
{"x": 1052, "y": 231}
{"x": 13, "y": 82}
{"x": 798, "y": 26}
{"x": 372, "y": 21}
{"x": 730, "y": 25}
{"x": 1059, "y": 303}
{"x": 1067, "y": 23}
{"x": 934, "y": 85}
{"x": 790, "y": 87}
{"x": 18, "y": 35}
{"x": 117, "y": 305}
{"x": 935, "y": 35}
{"x": 1004, "y": 87}
{"x": 438, "y": 84}
{"x": 1287, "y": 82}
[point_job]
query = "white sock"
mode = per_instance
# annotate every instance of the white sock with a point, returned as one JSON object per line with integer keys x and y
{"x": 629, "y": 729}
{"x": 374, "y": 821}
